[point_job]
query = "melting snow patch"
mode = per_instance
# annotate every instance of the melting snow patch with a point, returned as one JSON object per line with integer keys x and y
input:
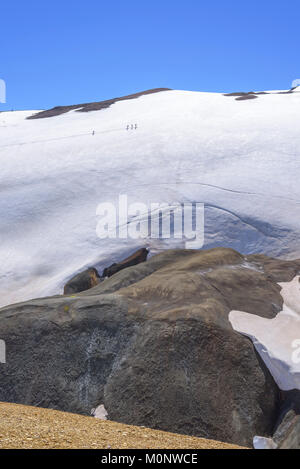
{"x": 277, "y": 340}
{"x": 260, "y": 442}
{"x": 100, "y": 412}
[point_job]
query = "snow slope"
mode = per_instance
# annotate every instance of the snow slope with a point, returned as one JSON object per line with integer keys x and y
{"x": 240, "y": 158}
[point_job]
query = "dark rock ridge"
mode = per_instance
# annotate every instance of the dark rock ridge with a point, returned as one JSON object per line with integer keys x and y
{"x": 243, "y": 96}
{"x": 153, "y": 344}
{"x": 96, "y": 106}
{"x": 136, "y": 258}
{"x": 83, "y": 281}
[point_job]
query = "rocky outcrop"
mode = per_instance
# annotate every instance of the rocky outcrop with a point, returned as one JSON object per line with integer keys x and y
{"x": 82, "y": 281}
{"x": 277, "y": 270}
{"x": 287, "y": 435}
{"x": 153, "y": 345}
{"x": 242, "y": 96}
{"x": 135, "y": 258}
{"x": 289, "y": 424}
{"x": 95, "y": 106}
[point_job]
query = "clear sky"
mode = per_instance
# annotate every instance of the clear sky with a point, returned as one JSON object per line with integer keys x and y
{"x": 68, "y": 51}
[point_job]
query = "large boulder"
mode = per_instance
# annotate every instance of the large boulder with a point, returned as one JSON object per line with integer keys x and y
{"x": 153, "y": 345}
{"x": 85, "y": 280}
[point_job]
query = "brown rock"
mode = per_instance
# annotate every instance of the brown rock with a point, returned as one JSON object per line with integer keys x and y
{"x": 82, "y": 281}
{"x": 135, "y": 258}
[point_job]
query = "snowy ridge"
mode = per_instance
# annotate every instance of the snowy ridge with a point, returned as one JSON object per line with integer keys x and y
{"x": 239, "y": 158}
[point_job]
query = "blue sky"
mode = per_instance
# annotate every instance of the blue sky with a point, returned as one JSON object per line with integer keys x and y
{"x": 67, "y": 52}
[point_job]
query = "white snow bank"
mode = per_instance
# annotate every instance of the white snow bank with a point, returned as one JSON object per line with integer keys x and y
{"x": 277, "y": 340}
{"x": 240, "y": 158}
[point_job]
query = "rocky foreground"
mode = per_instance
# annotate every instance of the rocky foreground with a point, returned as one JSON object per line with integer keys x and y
{"x": 23, "y": 427}
{"x": 154, "y": 346}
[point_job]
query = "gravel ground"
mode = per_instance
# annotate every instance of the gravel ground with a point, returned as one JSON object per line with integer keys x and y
{"x": 34, "y": 427}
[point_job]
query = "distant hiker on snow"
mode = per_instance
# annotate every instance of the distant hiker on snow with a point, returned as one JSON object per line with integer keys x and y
{"x": 132, "y": 127}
